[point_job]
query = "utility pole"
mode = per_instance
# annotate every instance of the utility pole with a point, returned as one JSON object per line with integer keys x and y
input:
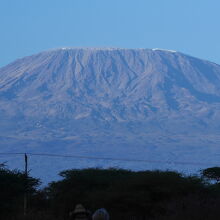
{"x": 26, "y": 183}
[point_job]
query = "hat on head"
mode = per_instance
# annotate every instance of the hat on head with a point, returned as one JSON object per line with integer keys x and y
{"x": 79, "y": 209}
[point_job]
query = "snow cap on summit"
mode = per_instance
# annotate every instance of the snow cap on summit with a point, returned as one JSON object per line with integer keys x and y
{"x": 172, "y": 51}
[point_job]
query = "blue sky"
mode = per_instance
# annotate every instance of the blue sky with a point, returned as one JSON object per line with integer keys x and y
{"x": 30, "y": 26}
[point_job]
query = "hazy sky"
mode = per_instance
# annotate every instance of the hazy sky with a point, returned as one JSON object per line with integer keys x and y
{"x": 30, "y": 26}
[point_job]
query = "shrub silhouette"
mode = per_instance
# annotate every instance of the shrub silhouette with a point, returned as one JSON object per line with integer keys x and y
{"x": 125, "y": 194}
{"x": 12, "y": 189}
{"x": 120, "y": 191}
{"x": 212, "y": 173}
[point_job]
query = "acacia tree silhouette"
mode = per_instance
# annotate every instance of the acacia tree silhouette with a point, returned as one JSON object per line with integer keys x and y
{"x": 212, "y": 173}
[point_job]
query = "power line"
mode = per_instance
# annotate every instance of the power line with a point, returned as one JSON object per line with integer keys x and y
{"x": 108, "y": 158}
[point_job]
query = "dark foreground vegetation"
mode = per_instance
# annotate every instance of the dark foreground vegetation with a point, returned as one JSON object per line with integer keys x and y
{"x": 127, "y": 195}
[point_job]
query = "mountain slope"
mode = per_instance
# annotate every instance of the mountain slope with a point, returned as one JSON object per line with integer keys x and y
{"x": 111, "y": 100}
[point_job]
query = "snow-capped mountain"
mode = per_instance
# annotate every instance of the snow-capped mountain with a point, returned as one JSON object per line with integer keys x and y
{"x": 123, "y": 103}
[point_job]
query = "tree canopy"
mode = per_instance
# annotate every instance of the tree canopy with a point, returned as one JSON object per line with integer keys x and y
{"x": 13, "y": 185}
{"x": 212, "y": 173}
{"x": 125, "y": 194}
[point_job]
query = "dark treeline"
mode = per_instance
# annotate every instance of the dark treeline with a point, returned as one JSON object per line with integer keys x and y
{"x": 158, "y": 195}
